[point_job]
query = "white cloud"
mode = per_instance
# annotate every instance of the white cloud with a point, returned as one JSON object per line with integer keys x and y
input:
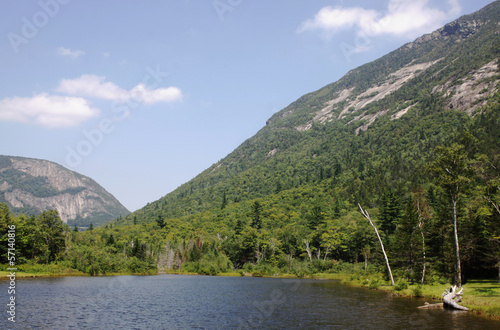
{"x": 98, "y": 87}
{"x": 334, "y": 19}
{"x": 151, "y": 96}
{"x": 47, "y": 110}
{"x": 403, "y": 18}
{"x": 92, "y": 86}
{"x": 68, "y": 52}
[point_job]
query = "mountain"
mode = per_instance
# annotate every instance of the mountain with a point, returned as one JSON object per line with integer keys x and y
{"x": 370, "y": 132}
{"x": 31, "y": 186}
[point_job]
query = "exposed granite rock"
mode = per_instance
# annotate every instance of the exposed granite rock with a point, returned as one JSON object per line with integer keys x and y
{"x": 33, "y": 185}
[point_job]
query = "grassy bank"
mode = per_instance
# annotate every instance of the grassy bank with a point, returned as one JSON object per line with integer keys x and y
{"x": 37, "y": 270}
{"x": 480, "y": 296}
{"x": 54, "y": 270}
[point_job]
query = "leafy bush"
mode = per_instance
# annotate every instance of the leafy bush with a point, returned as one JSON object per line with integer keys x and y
{"x": 417, "y": 291}
{"x": 374, "y": 284}
{"x": 402, "y": 284}
{"x": 209, "y": 265}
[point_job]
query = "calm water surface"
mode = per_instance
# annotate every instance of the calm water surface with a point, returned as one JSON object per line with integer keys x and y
{"x": 202, "y": 302}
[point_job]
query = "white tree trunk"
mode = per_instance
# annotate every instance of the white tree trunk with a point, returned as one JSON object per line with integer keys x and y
{"x": 459, "y": 270}
{"x": 421, "y": 227}
{"x": 366, "y": 215}
{"x": 308, "y": 249}
{"x": 423, "y": 252}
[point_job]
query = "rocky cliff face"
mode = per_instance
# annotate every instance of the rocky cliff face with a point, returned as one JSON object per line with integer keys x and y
{"x": 32, "y": 185}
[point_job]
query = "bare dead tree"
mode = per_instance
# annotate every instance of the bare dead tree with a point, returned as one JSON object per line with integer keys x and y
{"x": 367, "y": 216}
{"x": 421, "y": 227}
{"x": 308, "y": 249}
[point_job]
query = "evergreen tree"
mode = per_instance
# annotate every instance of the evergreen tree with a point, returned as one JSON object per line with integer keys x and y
{"x": 407, "y": 247}
{"x": 316, "y": 217}
{"x": 256, "y": 212}
{"x": 390, "y": 212}
{"x": 224, "y": 200}
{"x": 110, "y": 240}
{"x": 240, "y": 225}
{"x": 160, "y": 221}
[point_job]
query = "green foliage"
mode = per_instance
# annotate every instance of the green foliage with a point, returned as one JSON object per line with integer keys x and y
{"x": 209, "y": 265}
{"x": 374, "y": 284}
{"x": 417, "y": 291}
{"x": 401, "y": 284}
{"x": 390, "y": 212}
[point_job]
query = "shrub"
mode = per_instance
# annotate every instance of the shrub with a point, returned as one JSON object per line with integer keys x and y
{"x": 402, "y": 284}
{"x": 374, "y": 284}
{"x": 417, "y": 291}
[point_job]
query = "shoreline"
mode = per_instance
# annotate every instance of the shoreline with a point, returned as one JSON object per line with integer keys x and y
{"x": 482, "y": 297}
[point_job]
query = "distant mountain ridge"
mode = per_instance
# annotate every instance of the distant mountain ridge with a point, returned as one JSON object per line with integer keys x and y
{"x": 370, "y": 130}
{"x": 31, "y": 186}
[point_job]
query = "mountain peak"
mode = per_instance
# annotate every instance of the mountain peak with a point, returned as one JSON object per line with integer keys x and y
{"x": 30, "y": 186}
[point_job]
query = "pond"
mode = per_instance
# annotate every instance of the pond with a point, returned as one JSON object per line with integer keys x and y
{"x": 204, "y": 302}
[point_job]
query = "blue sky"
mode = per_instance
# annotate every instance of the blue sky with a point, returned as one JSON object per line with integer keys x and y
{"x": 144, "y": 95}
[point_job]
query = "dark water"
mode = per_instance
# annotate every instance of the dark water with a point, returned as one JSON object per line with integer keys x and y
{"x": 200, "y": 302}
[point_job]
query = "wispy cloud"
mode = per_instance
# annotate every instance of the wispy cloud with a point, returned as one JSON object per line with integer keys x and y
{"x": 97, "y": 87}
{"x": 47, "y": 110}
{"x": 403, "y": 18}
{"x": 70, "y": 53}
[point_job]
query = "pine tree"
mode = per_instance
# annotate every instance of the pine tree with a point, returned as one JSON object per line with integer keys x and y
{"x": 160, "y": 221}
{"x": 224, "y": 200}
{"x": 256, "y": 211}
{"x": 390, "y": 213}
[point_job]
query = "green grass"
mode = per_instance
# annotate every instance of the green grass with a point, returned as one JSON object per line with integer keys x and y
{"x": 39, "y": 270}
{"x": 55, "y": 270}
{"x": 483, "y": 297}
{"x": 480, "y": 296}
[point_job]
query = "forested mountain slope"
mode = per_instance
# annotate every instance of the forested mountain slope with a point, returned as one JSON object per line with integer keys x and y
{"x": 31, "y": 186}
{"x": 367, "y": 133}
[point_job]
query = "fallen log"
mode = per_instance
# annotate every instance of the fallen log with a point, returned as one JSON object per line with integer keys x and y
{"x": 431, "y": 306}
{"x": 451, "y": 298}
